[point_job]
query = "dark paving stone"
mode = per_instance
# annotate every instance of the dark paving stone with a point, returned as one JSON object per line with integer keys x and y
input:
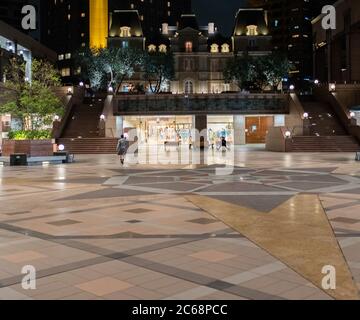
{"x": 318, "y": 178}
{"x": 16, "y": 213}
{"x": 308, "y": 185}
{"x": 133, "y": 221}
{"x": 202, "y": 221}
{"x": 260, "y": 203}
{"x": 273, "y": 173}
{"x": 240, "y": 187}
{"x": 345, "y": 220}
{"x": 331, "y": 169}
{"x": 176, "y": 173}
{"x": 62, "y": 223}
{"x": 351, "y": 191}
{"x": 106, "y": 193}
{"x": 145, "y": 179}
{"x": 178, "y": 186}
{"x": 90, "y": 180}
{"x": 138, "y": 210}
{"x": 219, "y": 285}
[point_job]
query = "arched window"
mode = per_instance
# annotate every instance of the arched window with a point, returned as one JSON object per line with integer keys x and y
{"x": 151, "y": 48}
{"x": 225, "y": 48}
{"x": 162, "y": 48}
{"x": 214, "y": 48}
{"x": 125, "y": 32}
{"x": 188, "y": 46}
{"x": 189, "y": 87}
{"x": 252, "y": 30}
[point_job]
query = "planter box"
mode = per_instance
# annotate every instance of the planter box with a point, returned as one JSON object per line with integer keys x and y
{"x": 33, "y": 148}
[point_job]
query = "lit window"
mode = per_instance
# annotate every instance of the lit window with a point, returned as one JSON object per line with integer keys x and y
{"x": 68, "y": 56}
{"x": 162, "y": 48}
{"x": 61, "y": 57}
{"x": 225, "y": 48}
{"x": 214, "y": 48}
{"x": 125, "y": 32}
{"x": 252, "y": 30}
{"x": 188, "y": 46}
{"x": 151, "y": 48}
{"x": 65, "y": 72}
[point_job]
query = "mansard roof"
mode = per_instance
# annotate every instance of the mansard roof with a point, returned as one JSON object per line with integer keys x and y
{"x": 188, "y": 21}
{"x": 125, "y": 18}
{"x": 247, "y": 17}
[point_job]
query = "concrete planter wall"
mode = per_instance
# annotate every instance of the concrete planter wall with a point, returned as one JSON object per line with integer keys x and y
{"x": 33, "y": 148}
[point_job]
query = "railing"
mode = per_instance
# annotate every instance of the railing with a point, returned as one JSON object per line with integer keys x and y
{"x": 203, "y": 103}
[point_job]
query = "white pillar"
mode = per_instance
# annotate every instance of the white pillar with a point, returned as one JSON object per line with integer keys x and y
{"x": 239, "y": 130}
{"x": 119, "y": 126}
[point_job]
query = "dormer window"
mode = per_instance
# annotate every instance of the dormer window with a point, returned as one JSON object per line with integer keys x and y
{"x": 252, "y": 30}
{"x": 151, "y": 48}
{"x": 125, "y": 32}
{"x": 188, "y": 47}
{"x": 214, "y": 48}
{"x": 225, "y": 48}
{"x": 162, "y": 48}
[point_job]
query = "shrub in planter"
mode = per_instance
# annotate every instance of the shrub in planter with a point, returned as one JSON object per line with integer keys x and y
{"x": 30, "y": 135}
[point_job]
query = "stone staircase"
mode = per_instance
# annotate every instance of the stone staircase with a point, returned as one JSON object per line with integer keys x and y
{"x": 325, "y": 131}
{"x": 89, "y": 145}
{"x": 324, "y": 144}
{"x": 81, "y": 131}
{"x": 84, "y": 119}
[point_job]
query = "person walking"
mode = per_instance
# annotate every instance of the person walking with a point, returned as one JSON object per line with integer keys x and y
{"x": 122, "y": 148}
{"x": 223, "y": 144}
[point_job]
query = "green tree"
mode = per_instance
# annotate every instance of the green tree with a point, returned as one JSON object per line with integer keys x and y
{"x": 107, "y": 67}
{"x": 257, "y": 72}
{"x": 274, "y": 68}
{"x": 34, "y": 103}
{"x": 158, "y": 68}
{"x": 241, "y": 70}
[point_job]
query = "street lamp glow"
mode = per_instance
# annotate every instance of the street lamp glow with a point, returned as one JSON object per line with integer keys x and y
{"x": 102, "y": 117}
{"x": 332, "y": 87}
{"x": 287, "y": 134}
{"x": 81, "y": 84}
{"x": 306, "y": 115}
{"x": 61, "y": 147}
{"x": 352, "y": 114}
{"x": 316, "y": 81}
{"x": 110, "y": 89}
{"x": 292, "y": 87}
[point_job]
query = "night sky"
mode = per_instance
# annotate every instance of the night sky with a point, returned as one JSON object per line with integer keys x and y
{"x": 222, "y": 12}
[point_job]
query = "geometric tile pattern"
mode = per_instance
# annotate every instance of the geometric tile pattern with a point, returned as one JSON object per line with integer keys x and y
{"x": 174, "y": 250}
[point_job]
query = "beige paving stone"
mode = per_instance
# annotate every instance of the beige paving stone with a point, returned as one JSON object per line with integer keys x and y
{"x": 297, "y": 233}
{"x": 212, "y": 255}
{"x": 23, "y": 256}
{"x": 104, "y": 286}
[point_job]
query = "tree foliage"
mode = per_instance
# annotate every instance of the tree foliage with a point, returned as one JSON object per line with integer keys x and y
{"x": 158, "y": 69}
{"x": 107, "y": 67}
{"x": 34, "y": 103}
{"x": 257, "y": 72}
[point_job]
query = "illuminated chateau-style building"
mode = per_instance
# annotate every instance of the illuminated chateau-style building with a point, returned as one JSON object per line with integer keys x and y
{"x": 200, "y": 52}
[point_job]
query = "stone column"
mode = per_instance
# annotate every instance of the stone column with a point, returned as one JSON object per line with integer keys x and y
{"x": 201, "y": 136}
{"x": 239, "y": 130}
{"x": 119, "y": 126}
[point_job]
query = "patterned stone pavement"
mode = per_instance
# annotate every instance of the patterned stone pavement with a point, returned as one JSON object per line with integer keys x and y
{"x": 94, "y": 230}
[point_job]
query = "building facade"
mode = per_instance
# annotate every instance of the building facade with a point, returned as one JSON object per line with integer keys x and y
{"x": 337, "y": 52}
{"x": 200, "y": 52}
{"x": 153, "y": 13}
{"x": 198, "y": 97}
